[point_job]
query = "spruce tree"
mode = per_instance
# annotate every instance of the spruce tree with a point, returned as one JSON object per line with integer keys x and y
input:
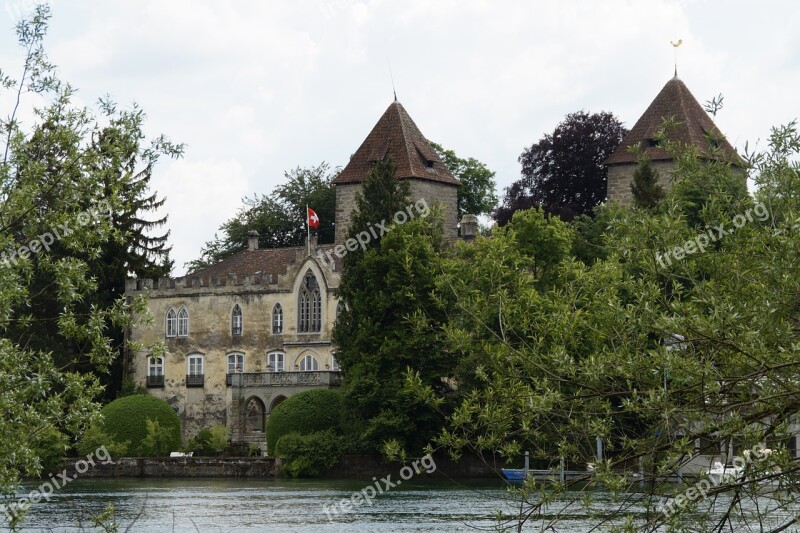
{"x": 647, "y": 192}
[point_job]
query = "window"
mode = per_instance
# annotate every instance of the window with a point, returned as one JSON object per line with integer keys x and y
{"x": 275, "y": 362}
{"x": 277, "y": 319}
{"x": 340, "y": 308}
{"x": 194, "y": 377}
{"x": 235, "y": 363}
{"x": 172, "y": 323}
{"x": 183, "y": 322}
{"x": 310, "y": 305}
{"x": 652, "y": 143}
{"x": 235, "y": 366}
{"x": 155, "y": 372}
{"x": 334, "y": 362}
{"x": 309, "y": 363}
{"x": 236, "y": 320}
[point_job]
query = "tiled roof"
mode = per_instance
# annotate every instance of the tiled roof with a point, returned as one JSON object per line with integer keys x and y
{"x": 264, "y": 260}
{"x": 396, "y": 135}
{"x": 694, "y": 127}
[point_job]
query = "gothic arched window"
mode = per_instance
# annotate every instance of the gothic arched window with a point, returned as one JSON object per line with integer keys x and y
{"x": 277, "y": 319}
{"x": 309, "y": 318}
{"x": 236, "y": 320}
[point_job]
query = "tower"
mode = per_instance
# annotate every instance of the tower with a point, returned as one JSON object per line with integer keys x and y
{"x": 396, "y": 135}
{"x": 693, "y": 128}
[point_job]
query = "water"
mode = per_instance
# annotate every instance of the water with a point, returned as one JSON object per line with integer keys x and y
{"x": 292, "y": 506}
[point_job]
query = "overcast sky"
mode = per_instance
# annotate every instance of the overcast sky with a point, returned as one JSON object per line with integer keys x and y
{"x": 258, "y": 87}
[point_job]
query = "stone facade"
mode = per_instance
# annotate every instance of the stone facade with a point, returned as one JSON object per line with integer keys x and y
{"x": 620, "y": 178}
{"x": 236, "y": 386}
{"x": 432, "y": 192}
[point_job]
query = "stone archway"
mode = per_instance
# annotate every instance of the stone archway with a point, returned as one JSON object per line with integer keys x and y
{"x": 254, "y": 414}
{"x": 276, "y": 402}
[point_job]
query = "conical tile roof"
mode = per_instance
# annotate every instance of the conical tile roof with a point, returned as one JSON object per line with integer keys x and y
{"x": 694, "y": 128}
{"x": 396, "y": 135}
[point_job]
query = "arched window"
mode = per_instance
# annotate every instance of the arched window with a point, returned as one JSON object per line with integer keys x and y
{"x": 310, "y": 305}
{"x": 275, "y": 361}
{"x": 340, "y": 308}
{"x": 277, "y": 319}
{"x": 172, "y": 323}
{"x": 236, "y": 320}
{"x": 309, "y": 363}
{"x": 183, "y": 322}
{"x": 334, "y": 361}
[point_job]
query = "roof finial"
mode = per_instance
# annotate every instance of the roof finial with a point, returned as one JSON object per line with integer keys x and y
{"x": 675, "y": 46}
{"x": 392, "y": 76}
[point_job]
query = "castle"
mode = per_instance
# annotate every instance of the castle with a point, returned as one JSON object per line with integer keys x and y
{"x": 243, "y": 335}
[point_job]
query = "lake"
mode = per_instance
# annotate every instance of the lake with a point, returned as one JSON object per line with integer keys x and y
{"x": 292, "y": 506}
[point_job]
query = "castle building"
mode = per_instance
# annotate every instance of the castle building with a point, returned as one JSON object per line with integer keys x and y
{"x": 241, "y": 336}
{"x": 692, "y": 127}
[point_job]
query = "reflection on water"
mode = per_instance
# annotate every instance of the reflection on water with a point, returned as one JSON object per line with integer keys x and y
{"x": 291, "y": 506}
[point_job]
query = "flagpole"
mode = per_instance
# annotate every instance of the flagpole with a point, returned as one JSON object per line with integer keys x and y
{"x": 308, "y": 232}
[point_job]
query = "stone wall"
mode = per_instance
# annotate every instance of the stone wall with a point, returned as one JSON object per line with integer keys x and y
{"x": 431, "y": 191}
{"x": 180, "y": 467}
{"x": 620, "y": 178}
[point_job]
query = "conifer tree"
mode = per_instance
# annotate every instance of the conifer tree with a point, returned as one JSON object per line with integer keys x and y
{"x": 647, "y": 192}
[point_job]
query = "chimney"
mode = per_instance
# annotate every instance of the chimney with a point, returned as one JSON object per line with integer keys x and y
{"x": 469, "y": 227}
{"x": 252, "y": 240}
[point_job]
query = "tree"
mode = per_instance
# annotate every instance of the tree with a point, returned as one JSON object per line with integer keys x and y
{"x": 476, "y": 196}
{"x": 563, "y": 173}
{"x": 660, "y": 359}
{"x": 56, "y": 190}
{"x": 279, "y": 218}
{"x": 388, "y": 323}
{"x": 647, "y": 192}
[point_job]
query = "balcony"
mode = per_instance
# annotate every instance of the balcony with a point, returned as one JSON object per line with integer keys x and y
{"x": 326, "y": 378}
{"x": 155, "y": 382}
{"x": 195, "y": 380}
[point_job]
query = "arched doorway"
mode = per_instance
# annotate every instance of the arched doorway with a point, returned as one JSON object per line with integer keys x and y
{"x": 254, "y": 415}
{"x": 276, "y": 402}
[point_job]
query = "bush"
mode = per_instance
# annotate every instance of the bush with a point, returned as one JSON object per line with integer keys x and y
{"x": 95, "y": 438}
{"x": 210, "y": 441}
{"x": 125, "y": 420}
{"x": 309, "y": 455}
{"x": 305, "y": 413}
{"x": 157, "y": 443}
{"x": 51, "y": 445}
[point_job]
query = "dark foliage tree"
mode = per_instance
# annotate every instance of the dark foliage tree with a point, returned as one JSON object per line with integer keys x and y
{"x": 279, "y": 218}
{"x": 563, "y": 173}
{"x": 476, "y": 195}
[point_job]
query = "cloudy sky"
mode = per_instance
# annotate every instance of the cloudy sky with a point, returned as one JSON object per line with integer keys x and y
{"x": 258, "y": 87}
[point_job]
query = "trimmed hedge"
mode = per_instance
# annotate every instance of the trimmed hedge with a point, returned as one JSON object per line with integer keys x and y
{"x": 125, "y": 420}
{"x": 308, "y": 412}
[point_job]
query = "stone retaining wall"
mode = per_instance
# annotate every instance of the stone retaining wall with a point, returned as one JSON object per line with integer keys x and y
{"x": 180, "y": 467}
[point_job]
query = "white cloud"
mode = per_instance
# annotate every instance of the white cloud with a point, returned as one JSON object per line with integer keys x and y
{"x": 255, "y": 88}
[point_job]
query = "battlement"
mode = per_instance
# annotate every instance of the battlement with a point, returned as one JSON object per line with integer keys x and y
{"x": 134, "y": 285}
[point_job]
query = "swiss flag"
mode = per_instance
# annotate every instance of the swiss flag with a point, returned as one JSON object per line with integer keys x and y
{"x": 313, "y": 219}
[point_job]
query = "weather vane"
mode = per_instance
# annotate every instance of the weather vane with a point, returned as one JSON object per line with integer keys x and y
{"x": 675, "y": 46}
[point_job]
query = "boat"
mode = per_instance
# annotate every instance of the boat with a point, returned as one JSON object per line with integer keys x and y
{"x": 514, "y": 474}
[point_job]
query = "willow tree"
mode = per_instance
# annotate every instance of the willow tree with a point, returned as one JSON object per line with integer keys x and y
{"x": 60, "y": 186}
{"x": 682, "y": 340}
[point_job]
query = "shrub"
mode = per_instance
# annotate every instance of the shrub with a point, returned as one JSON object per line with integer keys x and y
{"x": 200, "y": 444}
{"x": 309, "y": 455}
{"x": 305, "y": 413}
{"x": 219, "y": 437}
{"x": 51, "y": 445}
{"x": 95, "y": 438}
{"x": 125, "y": 420}
{"x": 158, "y": 441}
